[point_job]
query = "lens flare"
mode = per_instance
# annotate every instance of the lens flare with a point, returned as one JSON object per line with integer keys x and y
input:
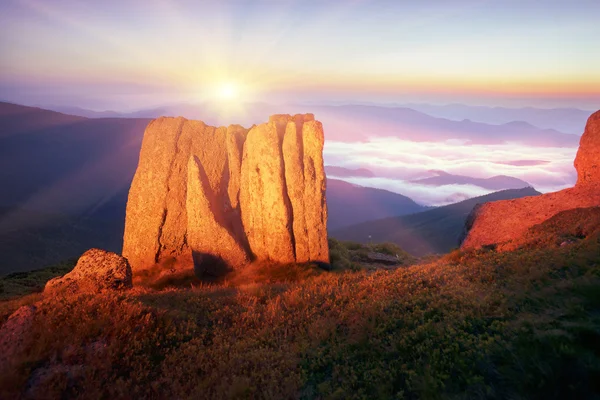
{"x": 228, "y": 91}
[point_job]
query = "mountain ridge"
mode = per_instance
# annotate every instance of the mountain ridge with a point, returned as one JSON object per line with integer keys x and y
{"x": 434, "y": 231}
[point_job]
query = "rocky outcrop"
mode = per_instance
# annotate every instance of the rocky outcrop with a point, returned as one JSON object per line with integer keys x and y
{"x": 505, "y": 223}
{"x": 13, "y": 331}
{"x": 587, "y": 161}
{"x": 205, "y": 196}
{"x": 95, "y": 270}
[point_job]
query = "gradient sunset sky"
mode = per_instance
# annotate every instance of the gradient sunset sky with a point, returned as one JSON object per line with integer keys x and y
{"x": 130, "y": 54}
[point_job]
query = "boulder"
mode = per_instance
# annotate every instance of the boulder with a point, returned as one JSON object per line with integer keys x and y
{"x": 13, "y": 331}
{"x": 206, "y": 195}
{"x": 505, "y": 223}
{"x": 95, "y": 271}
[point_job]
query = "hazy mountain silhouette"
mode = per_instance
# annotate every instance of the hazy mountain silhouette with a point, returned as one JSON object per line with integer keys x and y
{"x": 498, "y": 182}
{"x": 352, "y": 123}
{"x": 432, "y": 231}
{"x": 332, "y": 170}
{"x": 39, "y": 239}
{"x": 355, "y": 123}
{"x": 82, "y": 112}
{"x": 52, "y": 162}
{"x": 15, "y": 119}
{"x": 350, "y": 204}
{"x": 570, "y": 120}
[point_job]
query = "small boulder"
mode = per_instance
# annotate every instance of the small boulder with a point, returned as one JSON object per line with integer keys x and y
{"x": 13, "y": 331}
{"x": 95, "y": 270}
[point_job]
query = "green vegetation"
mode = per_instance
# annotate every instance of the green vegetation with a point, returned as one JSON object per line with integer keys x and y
{"x": 472, "y": 324}
{"x": 24, "y": 283}
{"x": 355, "y": 256}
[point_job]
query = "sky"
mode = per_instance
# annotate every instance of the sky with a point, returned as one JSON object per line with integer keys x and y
{"x": 130, "y": 54}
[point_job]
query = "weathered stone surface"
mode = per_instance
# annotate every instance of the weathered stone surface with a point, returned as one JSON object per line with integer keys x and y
{"x": 211, "y": 234}
{"x": 228, "y": 194}
{"x": 236, "y": 136}
{"x": 294, "y": 177}
{"x": 95, "y": 270}
{"x": 266, "y": 212}
{"x": 506, "y": 222}
{"x": 147, "y": 209}
{"x": 314, "y": 191}
{"x": 587, "y": 161}
{"x": 13, "y": 331}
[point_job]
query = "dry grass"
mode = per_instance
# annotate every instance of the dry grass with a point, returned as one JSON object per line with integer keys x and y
{"x": 482, "y": 324}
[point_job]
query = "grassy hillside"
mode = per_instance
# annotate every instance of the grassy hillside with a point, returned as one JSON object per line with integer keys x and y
{"x": 31, "y": 239}
{"x": 433, "y": 231}
{"x": 350, "y": 204}
{"x": 476, "y": 324}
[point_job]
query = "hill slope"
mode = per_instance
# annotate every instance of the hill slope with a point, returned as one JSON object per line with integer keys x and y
{"x": 498, "y": 182}
{"x": 333, "y": 170}
{"x": 570, "y": 120}
{"x": 59, "y": 163}
{"x": 357, "y": 122}
{"x": 471, "y": 325}
{"x": 350, "y": 204}
{"x": 433, "y": 231}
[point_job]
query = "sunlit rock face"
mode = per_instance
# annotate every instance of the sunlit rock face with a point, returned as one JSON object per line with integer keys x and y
{"x": 587, "y": 162}
{"x": 217, "y": 198}
{"x": 96, "y": 270}
{"x": 505, "y": 223}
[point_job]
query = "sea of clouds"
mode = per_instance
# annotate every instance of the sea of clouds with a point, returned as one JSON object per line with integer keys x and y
{"x": 396, "y": 162}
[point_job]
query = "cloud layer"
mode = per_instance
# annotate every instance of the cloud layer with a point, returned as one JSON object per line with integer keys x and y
{"x": 395, "y": 162}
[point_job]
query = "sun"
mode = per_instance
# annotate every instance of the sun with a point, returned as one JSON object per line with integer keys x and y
{"x": 228, "y": 91}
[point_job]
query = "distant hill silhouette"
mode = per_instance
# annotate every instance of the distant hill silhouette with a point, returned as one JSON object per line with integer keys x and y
{"x": 16, "y": 119}
{"x": 347, "y": 123}
{"x": 351, "y": 123}
{"x": 350, "y": 204}
{"x": 499, "y": 182}
{"x": 42, "y": 239}
{"x": 83, "y": 112}
{"x": 52, "y": 162}
{"x": 65, "y": 181}
{"x": 332, "y": 170}
{"x": 569, "y": 120}
{"x": 433, "y": 231}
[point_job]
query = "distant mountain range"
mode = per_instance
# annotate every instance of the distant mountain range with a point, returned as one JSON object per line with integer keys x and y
{"x": 57, "y": 163}
{"x": 341, "y": 172}
{"x": 359, "y": 123}
{"x": 350, "y": 204}
{"x": 498, "y": 182}
{"x": 351, "y": 123}
{"x": 441, "y": 178}
{"x": 434, "y": 231}
{"x": 570, "y": 120}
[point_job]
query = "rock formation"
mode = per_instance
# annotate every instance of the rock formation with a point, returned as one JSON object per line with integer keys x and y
{"x": 95, "y": 270}
{"x": 13, "y": 331}
{"x": 505, "y": 223}
{"x": 221, "y": 197}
